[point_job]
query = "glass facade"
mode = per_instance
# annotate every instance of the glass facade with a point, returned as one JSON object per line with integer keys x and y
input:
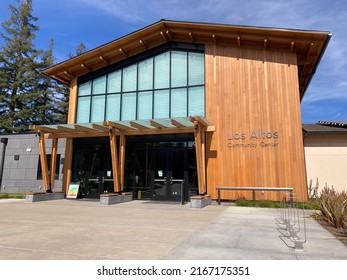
{"x": 170, "y": 84}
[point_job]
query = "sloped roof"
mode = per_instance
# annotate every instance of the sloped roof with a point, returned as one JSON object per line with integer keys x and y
{"x": 323, "y": 129}
{"x": 309, "y": 46}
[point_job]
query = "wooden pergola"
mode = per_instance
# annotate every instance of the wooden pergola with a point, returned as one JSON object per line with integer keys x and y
{"x": 197, "y": 125}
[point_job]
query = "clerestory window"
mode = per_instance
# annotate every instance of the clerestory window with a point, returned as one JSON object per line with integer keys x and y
{"x": 167, "y": 85}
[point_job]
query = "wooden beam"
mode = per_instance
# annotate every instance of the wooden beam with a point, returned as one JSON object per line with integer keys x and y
{"x": 292, "y": 44}
{"x": 214, "y": 39}
{"x": 143, "y": 44}
{"x": 177, "y": 124}
{"x": 45, "y": 129}
{"x": 190, "y": 34}
{"x": 100, "y": 127}
{"x": 74, "y": 135}
{"x": 82, "y": 128}
{"x": 104, "y": 60}
{"x": 86, "y": 67}
{"x": 114, "y": 159}
{"x": 123, "y": 52}
{"x": 60, "y": 79}
{"x": 203, "y": 121}
{"x": 121, "y": 160}
{"x": 53, "y": 161}
{"x": 171, "y": 130}
{"x": 169, "y": 35}
{"x": 138, "y": 126}
{"x": 65, "y": 129}
{"x": 163, "y": 35}
{"x": 309, "y": 51}
{"x": 239, "y": 41}
{"x": 119, "y": 126}
{"x": 157, "y": 125}
{"x": 67, "y": 73}
{"x": 44, "y": 164}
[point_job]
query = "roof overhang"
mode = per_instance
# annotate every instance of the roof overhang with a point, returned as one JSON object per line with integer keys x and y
{"x": 139, "y": 127}
{"x": 308, "y": 45}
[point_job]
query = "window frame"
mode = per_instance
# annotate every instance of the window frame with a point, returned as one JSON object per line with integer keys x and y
{"x": 135, "y": 61}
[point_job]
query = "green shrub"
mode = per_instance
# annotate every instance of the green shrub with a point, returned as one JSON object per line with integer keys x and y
{"x": 333, "y": 206}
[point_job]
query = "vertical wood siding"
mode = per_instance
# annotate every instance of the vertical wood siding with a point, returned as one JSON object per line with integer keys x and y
{"x": 249, "y": 90}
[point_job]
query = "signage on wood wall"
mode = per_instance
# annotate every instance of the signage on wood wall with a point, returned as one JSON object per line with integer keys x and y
{"x": 253, "y": 139}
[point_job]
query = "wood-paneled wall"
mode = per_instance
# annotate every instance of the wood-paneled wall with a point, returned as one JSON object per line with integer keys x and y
{"x": 252, "y": 97}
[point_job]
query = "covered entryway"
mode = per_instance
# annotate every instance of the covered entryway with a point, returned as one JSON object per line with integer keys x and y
{"x": 100, "y": 171}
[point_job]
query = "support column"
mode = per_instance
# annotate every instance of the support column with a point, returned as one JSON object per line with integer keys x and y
{"x": 53, "y": 161}
{"x": 122, "y": 161}
{"x": 67, "y": 164}
{"x": 44, "y": 165}
{"x": 199, "y": 135}
{"x": 114, "y": 158}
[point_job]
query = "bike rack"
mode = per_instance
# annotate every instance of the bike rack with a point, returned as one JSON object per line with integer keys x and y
{"x": 293, "y": 218}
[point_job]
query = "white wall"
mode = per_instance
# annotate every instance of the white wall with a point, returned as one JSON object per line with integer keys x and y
{"x": 326, "y": 159}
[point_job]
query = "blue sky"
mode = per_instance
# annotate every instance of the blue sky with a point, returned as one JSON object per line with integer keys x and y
{"x": 96, "y": 22}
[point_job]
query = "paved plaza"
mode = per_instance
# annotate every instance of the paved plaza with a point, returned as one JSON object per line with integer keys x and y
{"x": 147, "y": 230}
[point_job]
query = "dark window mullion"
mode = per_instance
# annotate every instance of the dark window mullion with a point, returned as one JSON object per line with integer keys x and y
{"x": 137, "y": 91}
{"x": 153, "y": 87}
{"x": 121, "y": 95}
{"x": 187, "y": 88}
{"x": 91, "y": 101}
{"x": 106, "y": 95}
{"x": 170, "y": 72}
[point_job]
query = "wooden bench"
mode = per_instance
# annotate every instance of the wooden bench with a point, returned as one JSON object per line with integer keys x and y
{"x": 254, "y": 189}
{"x": 113, "y": 198}
{"x": 200, "y": 201}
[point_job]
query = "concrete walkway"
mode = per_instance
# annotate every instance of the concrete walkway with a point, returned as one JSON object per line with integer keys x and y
{"x": 144, "y": 230}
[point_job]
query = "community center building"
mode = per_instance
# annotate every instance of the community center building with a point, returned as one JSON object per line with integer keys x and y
{"x": 177, "y": 109}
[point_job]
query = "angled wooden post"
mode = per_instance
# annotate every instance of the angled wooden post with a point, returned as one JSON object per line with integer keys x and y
{"x": 200, "y": 157}
{"x": 67, "y": 164}
{"x": 44, "y": 165}
{"x": 53, "y": 161}
{"x": 122, "y": 160}
{"x": 114, "y": 159}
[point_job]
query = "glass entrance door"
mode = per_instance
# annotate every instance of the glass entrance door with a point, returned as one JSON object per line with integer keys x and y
{"x": 93, "y": 169}
{"x": 168, "y": 173}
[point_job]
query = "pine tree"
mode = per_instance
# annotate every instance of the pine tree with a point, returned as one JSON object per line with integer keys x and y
{"x": 17, "y": 68}
{"x": 26, "y": 96}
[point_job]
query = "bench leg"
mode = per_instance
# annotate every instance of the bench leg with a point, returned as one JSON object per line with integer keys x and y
{"x": 218, "y": 197}
{"x": 253, "y": 195}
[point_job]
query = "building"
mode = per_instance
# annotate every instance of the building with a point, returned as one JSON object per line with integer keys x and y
{"x": 20, "y": 168}
{"x": 178, "y": 108}
{"x": 326, "y": 154}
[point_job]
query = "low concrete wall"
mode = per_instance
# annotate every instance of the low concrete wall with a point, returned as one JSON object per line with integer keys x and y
{"x": 200, "y": 201}
{"x": 113, "y": 198}
{"x": 42, "y": 196}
